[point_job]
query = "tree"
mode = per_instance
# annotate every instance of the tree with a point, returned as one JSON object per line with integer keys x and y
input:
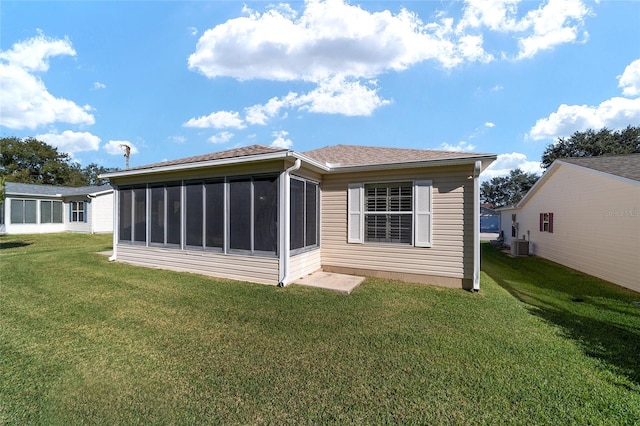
{"x": 32, "y": 161}
{"x": 507, "y": 190}
{"x": 92, "y": 171}
{"x": 592, "y": 144}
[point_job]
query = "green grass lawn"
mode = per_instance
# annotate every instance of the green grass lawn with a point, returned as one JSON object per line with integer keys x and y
{"x": 83, "y": 340}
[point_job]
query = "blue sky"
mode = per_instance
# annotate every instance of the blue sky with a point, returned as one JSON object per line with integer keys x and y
{"x": 175, "y": 79}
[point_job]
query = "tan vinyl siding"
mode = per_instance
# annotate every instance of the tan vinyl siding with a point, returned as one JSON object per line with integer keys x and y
{"x": 257, "y": 269}
{"x": 451, "y": 254}
{"x": 303, "y": 264}
{"x": 596, "y": 224}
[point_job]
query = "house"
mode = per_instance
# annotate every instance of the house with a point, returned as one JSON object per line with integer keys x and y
{"x": 489, "y": 219}
{"x": 584, "y": 213}
{"x": 37, "y": 209}
{"x": 272, "y": 215}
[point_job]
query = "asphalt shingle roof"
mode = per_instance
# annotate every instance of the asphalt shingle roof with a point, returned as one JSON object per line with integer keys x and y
{"x": 626, "y": 166}
{"x": 357, "y": 155}
{"x": 51, "y": 190}
{"x": 230, "y": 153}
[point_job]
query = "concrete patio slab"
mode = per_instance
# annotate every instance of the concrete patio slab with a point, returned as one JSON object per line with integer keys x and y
{"x": 341, "y": 283}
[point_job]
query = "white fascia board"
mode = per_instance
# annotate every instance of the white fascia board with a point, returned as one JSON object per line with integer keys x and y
{"x": 485, "y": 161}
{"x": 38, "y": 196}
{"x": 96, "y": 194}
{"x": 199, "y": 164}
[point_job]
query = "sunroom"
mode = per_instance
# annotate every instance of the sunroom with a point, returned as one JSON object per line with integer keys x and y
{"x": 272, "y": 215}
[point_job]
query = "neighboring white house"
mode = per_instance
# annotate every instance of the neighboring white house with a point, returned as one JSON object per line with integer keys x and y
{"x": 584, "y": 213}
{"x": 273, "y": 215}
{"x": 38, "y": 209}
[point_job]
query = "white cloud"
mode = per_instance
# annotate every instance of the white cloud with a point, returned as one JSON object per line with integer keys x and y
{"x": 552, "y": 25}
{"x": 511, "y": 161}
{"x": 115, "y": 147}
{"x": 71, "y": 142}
{"x": 260, "y": 114}
{"x": 461, "y": 146}
{"x": 193, "y": 31}
{"x": 614, "y": 113}
{"x": 97, "y": 85}
{"x": 33, "y": 54}
{"x": 221, "y": 137}
{"x": 329, "y": 38}
{"x": 340, "y": 96}
{"x": 178, "y": 139}
{"x": 281, "y": 140}
{"x": 629, "y": 81}
{"x": 489, "y": 124}
{"x": 26, "y": 102}
{"x": 217, "y": 120}
{"x": 555, "y": 22}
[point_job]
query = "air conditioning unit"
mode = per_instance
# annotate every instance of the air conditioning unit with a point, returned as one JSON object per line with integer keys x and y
{"x": 519, "y": 248}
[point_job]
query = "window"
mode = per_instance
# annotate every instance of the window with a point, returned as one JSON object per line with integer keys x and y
{"x": 50, "y": 211}
{"x": 205, "y": 214}
{"x": 251, "y": 223}
{"x": 546, "y": 222}
{"x": 165, "y": 214}
{"x": 388, "y": 213}
{"x": 194, "y": 214}
{"x": 240, "y": 214}
{"x": 303, "y": 214}
{"x": 265, "y": 214}
{"x": 77, "y": 211}
{"x": 214, "y": 214}
{"x": 125, "y": 214}
{"x": 395, "y": 212}
{"x": 253, "y": 214}
{"x": 140, "y": 215}
{"x": 24, "y": 211}
{"x": 133, "y": 214}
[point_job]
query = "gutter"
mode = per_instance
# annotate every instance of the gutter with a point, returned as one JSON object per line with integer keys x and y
{"x": 285, "y": 223}
{"x": 476, "y": 226}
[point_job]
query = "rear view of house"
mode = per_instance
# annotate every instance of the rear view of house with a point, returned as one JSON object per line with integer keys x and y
{"x": 274, "y": 215}
{"x": 36, "y": 209}
{"x": 584, "y": 213}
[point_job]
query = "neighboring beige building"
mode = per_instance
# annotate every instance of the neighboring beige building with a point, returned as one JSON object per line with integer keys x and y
{"x": 584, "y": 213}
{"x": 406, "y": 214}
{"x": 39, "y": 209}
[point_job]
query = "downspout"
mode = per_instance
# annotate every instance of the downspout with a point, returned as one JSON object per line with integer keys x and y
{"x": 116, "y": 224}
{"x": 285, "y": 223}
{"x": 90, "y": 197}
{"x": 476, "y": 226}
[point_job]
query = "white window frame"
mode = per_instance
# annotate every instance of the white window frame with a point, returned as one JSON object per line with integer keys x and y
{"x": 78, "y": 207}
{"x": 422, "y": 214}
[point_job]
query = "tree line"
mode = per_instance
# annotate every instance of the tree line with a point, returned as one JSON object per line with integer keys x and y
{"x": 32, "y": 161}
{"x": 509, "y": 190}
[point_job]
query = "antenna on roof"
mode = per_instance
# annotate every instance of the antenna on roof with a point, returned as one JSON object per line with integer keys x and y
{"x": 127, "y": 152}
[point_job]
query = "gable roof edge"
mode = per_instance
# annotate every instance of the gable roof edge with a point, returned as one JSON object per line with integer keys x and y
{"x": 601, "y": 173}
{"x": 555, "y": 166}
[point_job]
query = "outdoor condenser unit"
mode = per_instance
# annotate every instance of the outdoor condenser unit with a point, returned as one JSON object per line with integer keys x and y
{"x": 519, "y": 248}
